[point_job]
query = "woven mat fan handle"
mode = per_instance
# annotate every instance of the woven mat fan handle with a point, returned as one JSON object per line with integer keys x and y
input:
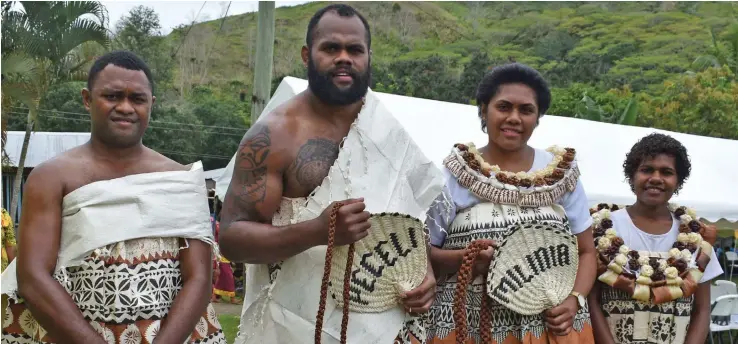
{"x": 326, "y": 276}
{"x": 464, "y": 277}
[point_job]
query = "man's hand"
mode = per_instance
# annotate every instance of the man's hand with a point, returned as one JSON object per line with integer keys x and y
{"x": 352, "y": 222}
{"x": 484, "y": 258}
{"x": 561, "y": 318}
{"x": 420, "y": 299}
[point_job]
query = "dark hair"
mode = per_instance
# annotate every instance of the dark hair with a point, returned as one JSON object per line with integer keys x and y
{"x": 512, "y": 73}
{"x": 121, "y": 58}
{"x": 343, "y": 11}
{"x": 653, "y": 145}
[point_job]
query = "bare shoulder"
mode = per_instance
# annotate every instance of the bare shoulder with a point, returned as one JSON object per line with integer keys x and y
{"x": 67, "y": 163}
{"x": 60, "y": 171}
{"x": 161, "y": 163}
{"x": 271, "y": 140}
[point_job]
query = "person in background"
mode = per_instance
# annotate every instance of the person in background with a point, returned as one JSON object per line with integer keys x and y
{"x": 8, "y": 250}
{"x": 8, "y": 239}
{"x": 224, "y": 284}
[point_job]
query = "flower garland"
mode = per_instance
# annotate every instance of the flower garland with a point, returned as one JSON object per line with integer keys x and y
{"x": 650, "y": 279}
{"x": 548, "y": 175}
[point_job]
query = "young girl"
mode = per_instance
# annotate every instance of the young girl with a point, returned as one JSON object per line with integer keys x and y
{"x": 655, "y": 259}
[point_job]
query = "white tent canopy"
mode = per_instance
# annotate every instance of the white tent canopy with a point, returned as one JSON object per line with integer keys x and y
{"x": 601, "y": 147}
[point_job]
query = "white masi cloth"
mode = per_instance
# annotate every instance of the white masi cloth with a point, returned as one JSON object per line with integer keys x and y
{"x": 381, "y": 163}
{"x": 148, "y": 205}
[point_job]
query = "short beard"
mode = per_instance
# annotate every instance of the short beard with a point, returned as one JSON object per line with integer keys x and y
{"x": 321, "y": 84}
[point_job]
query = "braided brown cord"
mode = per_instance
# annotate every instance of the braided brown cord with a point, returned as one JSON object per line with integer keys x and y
{"x": 485, "y": 319}
{"x": 346, "y": 294}
{"x": 463, "y": 280}
{"x": 326, "y": 276}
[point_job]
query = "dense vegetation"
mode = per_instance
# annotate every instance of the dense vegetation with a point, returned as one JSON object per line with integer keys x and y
{"x": 670, "y": 65}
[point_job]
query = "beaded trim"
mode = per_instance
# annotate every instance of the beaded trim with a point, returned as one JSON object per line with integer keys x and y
{"x": 490, "y": 188}
{"x": 660, "y": 279}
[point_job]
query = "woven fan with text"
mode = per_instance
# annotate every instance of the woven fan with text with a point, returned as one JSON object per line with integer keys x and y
{"x": 392, "y": 259}
{"x": 534, "y": 267}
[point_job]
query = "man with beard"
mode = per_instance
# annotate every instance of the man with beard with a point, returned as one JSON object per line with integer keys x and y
{"x": 281, "y": 161}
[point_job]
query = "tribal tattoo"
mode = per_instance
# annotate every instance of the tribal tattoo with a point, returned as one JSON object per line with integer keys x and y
{"x": 251, "y": 166}
{"x": 248, "y": 188}
{"x": 314, "y": 160}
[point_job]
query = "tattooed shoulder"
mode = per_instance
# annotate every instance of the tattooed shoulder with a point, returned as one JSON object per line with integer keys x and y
{"x": 314, "y": 160}
{"x": 250, "y": 171}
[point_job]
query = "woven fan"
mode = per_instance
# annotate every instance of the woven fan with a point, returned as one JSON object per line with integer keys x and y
{"x": 392, "y": 259}
{"x": 534, "y": 267}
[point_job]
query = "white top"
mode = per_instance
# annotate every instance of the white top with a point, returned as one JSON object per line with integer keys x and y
{"x": 575, "y": 203}
{"x": 639, "y": 240}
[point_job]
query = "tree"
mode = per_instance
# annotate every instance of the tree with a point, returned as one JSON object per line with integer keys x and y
{"x": 619, "y": 106}
{"x": 39, "y": 45}
{"x": 474, "y": 71}
{"x": 412, "y": 77}
{"x": 700, "y": 104}
{"x": 588, "y": 109}
{"x": 404, "y": 22}
{"x": 721, "y": 56}
{"x": 140, "y": 32}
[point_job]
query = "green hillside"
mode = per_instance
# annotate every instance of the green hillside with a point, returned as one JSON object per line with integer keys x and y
{"x": 607, "y": 44}
{"x": 630, "y": 63}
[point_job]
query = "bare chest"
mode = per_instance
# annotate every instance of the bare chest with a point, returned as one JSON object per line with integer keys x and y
{"x": 93, "y": 172}
{"x": 311, "y": 163}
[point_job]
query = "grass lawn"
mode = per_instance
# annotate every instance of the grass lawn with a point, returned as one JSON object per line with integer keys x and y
{"x": 229, "y": 323}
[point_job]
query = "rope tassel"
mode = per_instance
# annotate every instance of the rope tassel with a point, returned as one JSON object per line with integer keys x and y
{"x": 326, "y": 277}
{"x": 464, "y": 278}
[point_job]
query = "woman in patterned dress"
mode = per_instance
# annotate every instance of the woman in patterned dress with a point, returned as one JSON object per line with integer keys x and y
{"x": 8, "y": 239}
{"x": 476, "y": 205}
{"x": 224, "y": 285}
{"x": 656, "y": 169}
{"x": 8, "y": 250}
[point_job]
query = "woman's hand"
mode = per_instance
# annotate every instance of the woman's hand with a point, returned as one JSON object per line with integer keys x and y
{"x": 484, "y": 258}
{"x": 560, "y": 319}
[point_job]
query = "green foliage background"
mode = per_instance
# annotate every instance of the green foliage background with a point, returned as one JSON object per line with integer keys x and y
{"x": 610, "y": 52}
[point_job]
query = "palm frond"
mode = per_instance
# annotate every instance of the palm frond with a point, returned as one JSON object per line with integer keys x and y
{"x": 731, "y": 38}
{"x": 630, "y": 114}
{"x": 706, "y": 61}
{"x": 76, "y": 9}
{"x": 81, "y": 31}
{"x": 18, "y": 65}
{"x": 20, "y": 91}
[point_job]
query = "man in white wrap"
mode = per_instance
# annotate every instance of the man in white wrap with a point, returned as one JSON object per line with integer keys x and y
{"x": 115, "y": 238}
{"x": 332, "y": 142}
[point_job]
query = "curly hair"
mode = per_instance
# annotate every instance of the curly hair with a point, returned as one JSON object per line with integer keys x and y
{"x": 512, "y": 73}
{"x": 649, "y": 147}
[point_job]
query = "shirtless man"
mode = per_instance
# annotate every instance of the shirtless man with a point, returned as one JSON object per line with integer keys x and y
{"x": 288, "y": 153}
{"x": 119, "y": 97}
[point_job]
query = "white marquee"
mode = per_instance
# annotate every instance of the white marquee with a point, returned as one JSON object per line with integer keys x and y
{"x": 601, "y": 147}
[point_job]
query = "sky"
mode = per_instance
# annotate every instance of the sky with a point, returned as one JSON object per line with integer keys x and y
{"x": 175, "y": 13}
